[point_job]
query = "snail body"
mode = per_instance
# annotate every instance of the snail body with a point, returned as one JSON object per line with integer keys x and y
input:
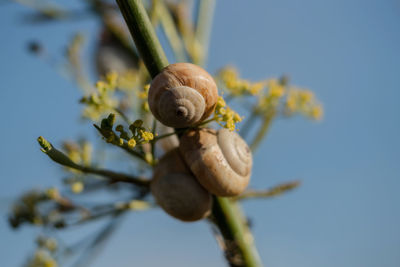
{"x": 177, "y": 191}
{"x": 220, "y": 160}
{"x": 182, "y": 95}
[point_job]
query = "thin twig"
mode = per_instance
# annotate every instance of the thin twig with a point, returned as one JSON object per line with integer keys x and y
{"x": 59, "y": 157}
{"x": 170, "y": 30}
{"x": 272, "y": 192}
{"x": 203, "y": 27}
{"x": 262, "y": 131}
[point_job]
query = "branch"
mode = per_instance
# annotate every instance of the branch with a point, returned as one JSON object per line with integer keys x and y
{"x": 64, "y": 160}
{"x": 239, "y": 244}
{"x": 272, "y": 192}
{"x": 226, "y": 215}
{"x": 203, "y": 26}
{"x": 262, "y": 131}
{"x": 143, "y": 34}
{"x": 170, "y": 30}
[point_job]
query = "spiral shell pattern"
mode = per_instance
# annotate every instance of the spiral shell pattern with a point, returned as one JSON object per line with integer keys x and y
{"x": 182, "y": 95}
{"x": 221, "y": 161}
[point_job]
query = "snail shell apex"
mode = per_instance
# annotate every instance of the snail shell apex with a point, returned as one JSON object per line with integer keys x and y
{"x": 177, "y": 191}
{"x": 221, "y": 161}
{"x": 182, "y": 95}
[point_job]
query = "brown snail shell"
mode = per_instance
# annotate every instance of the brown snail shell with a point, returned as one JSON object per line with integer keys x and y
{"x": 177, "y": 191}
{"x": 170, "y": 142}
{"x": 221, "y": 161}
{"x": 182, "y": 95}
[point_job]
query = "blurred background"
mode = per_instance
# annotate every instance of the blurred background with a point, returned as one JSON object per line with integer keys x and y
{"x": 345, "y": 213}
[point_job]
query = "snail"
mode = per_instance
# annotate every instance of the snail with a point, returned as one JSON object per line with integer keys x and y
{"x": 182, "y": 94}
{"x": 177, "y": 191}
{"x": 170, "y": 142}
{"x": 220, "y": 160}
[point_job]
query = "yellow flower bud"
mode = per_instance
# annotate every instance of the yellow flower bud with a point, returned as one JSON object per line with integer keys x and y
{"x": 77, "y": 187}
{"x": 131, "y": 143}
{"x": 316, "y": 112}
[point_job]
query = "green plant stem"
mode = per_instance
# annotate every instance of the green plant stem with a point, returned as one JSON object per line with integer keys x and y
{"x": 262, "y": 131}
{"x": 245, "y": 128}
{"x": 62, "y": 159}
{"x": 162, "y": 136}
{"x": 143, "y": 34}
{"x": 226, "y": 214}
{"x": 272, "y": 192}
{"x": 115, "y": 176}
{"x": 203, "y": 27}
{"x": 238, "y": 240}
{"x": 170, "y": 30}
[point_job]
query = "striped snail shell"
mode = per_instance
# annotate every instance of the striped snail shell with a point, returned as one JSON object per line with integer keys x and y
{"x": 221, "y": 161}
{"x": 182, "y": 95}
{"x": 177, "y": 191}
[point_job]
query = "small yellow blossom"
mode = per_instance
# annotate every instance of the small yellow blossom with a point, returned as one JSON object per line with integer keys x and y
{"x": 291, "y": 102}
{"x": 303, "y": 101}
{"x": 316, "y": 112}
{"x": 237, "y": 118}
{"x": 230, "y": 78}
{"x": 42, "y": 258}
{"x": 131, "y": 143}
{"x": 112, "y": 79}
{"x": 220, "y": 102}
{"x": 147, "y": 136}
{"x": 53, "y": 193}
{"x": 276, "y": 91}
{"x": 305, "y": 96}
{"x": 86, "y": 153}
{"x": 256, "y": 88}
{"x": 101, "y": 86}
{"x": 224, "y": 114}
{"x": 138, "y": 205}
{"x": 142, "y": 94}
{"x": 77, "y": 187}
{"x": 128, "y": 80}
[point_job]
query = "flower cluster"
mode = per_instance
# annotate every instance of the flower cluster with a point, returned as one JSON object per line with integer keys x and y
{"x": 103, "y": 100}
{"x": 143, "y": 97}
{"x": 80, "y": 153}
{"x": 128, "y": 80}
{"x": 225, "y": 116}
{"x": 39, "y": 208}
{"x": 304, "y": 102}
{"x": 271, "y": 99}
{"x": 229, "y": 77}
{"x": 290, "y": 100}
{"x": 42, "y": 258}
{"x": 139, "y": 134}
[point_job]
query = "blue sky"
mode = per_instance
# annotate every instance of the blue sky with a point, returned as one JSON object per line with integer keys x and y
{"x": 346, "y": 213}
